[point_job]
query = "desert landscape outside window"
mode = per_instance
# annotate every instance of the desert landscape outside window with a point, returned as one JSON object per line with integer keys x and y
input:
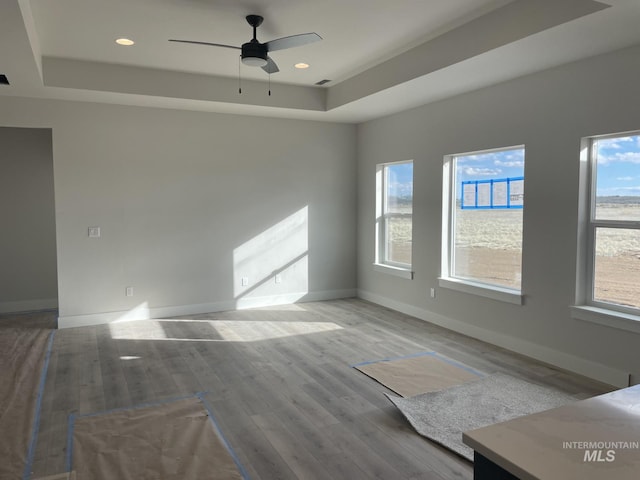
{"x": 395, "y": 218}
{"x": 614, "y": 226}
{"x": 485, "y": 238}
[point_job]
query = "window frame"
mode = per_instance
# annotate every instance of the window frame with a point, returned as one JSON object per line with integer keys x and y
{"x": 382, "y": 263}
{"x": 592, "y": 225}
{"x": 447, "y": 279}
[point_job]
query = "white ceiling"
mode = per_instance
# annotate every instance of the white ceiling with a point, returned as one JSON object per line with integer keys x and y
{"x": 381, "y": 56}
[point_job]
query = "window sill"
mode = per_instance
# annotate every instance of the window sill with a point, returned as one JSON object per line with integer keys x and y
{"x": 488, "y": 291}
{"x": 608, "y": 318}
{"x": 397, "y": 271}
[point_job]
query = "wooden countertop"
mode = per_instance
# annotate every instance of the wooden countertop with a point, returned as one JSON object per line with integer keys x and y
{"x": 593, "y": 439}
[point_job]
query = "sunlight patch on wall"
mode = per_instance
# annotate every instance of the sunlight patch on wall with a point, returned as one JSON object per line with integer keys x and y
{"x": 140, "y": 312}
{"x": 274, "y": 263}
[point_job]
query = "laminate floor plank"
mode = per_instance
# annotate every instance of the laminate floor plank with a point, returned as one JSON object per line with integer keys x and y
{"x": 336, "y": 462}
{"x": 373, "y": 465}
{"x": 252, "y": 446}
{"x": 298, "y": 458}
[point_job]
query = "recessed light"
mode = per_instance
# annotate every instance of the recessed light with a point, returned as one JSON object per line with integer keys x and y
{"x": 125, "y": 41}
{"x": 301, "y": 65}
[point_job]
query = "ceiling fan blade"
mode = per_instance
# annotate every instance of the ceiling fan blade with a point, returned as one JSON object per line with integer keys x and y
{"x": 292, "y": 41}
{"x": 205, "y": 43}
{"x": 271, "y": 66}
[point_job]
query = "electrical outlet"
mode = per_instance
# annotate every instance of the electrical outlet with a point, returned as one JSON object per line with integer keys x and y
{"x": 433, "y": 293}
{"x": 128, "y": 291}
{"x": 278, "y": 278}
{"x": 94, "y": 232}
{"x": 244, "y": 281}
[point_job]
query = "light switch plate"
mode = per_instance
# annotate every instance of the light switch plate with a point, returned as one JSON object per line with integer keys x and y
{"x": 94, "y": 232}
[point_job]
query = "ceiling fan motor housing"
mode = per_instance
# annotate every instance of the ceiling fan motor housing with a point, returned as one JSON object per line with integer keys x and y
{"x": 254, "y": 54}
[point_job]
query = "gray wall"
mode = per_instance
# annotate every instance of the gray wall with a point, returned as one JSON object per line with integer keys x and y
{"x": 189, "y": 203}
{"x": 549, "y": 113}
{"x": 28, "y": 240}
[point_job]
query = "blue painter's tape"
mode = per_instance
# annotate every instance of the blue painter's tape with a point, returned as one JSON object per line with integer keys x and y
{"x": 36, "y": 421}
{"x": 68, "y": 459}
{"x": 391, "y": 359}
{"x": 459, "y": 365}
{"x": 221, "y": 436}
{"x": 422, "y": 354}
{"x": 136, "y": 407}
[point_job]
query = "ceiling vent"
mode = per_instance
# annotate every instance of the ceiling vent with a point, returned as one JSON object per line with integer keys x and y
{"x": 322, "y": 82}
{"x": 4, "y": 80}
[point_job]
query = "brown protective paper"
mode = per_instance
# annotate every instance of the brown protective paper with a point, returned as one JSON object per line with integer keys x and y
{"x": 22, "y": 353}
{"x": 411, "y": 376}
{"x": 170, "y": 441}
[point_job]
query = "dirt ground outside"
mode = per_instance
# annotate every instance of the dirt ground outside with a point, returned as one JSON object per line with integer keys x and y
{"x": 617, "y": 277}
{"x": 488, "y": 246}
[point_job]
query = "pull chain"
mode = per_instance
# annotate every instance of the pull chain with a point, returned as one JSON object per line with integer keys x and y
{"x": 240, "y": 79}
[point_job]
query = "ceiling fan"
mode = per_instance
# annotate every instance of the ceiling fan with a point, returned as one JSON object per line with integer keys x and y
{"x": 255, "y": 53}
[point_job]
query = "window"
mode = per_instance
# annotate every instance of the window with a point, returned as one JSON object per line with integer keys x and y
{"x": 394, "y": 217}
{"x": 613, "y": 264}
{"x": 482, "y": 222}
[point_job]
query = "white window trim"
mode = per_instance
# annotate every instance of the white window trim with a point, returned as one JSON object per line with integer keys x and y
{"x": 391, "y": 270}
{"x": 446, "y": 280}
{"x": 586, "y": 308}
{"x": 380, "y": 265}
{"x": 606, "y": 317}
{"x": 494, "y": 292}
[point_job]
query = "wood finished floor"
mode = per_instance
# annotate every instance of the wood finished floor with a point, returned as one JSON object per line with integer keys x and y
{"x": 281, "y": 386}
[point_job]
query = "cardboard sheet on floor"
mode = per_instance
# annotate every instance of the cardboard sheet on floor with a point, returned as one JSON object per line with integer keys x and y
{"x": 418, "y": 374}
{"x": 22, "y": 354}
{"x": 174, "y": 440}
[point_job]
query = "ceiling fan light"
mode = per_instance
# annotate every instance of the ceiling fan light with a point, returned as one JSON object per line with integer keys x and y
{"x": 254, "y": 61}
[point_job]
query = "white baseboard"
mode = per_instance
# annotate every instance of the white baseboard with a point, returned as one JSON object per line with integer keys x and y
{"x": 29, "y": 305}
{"x": 291, "y": 298}
{"x": 581, "y": 366}
{"x": 143, "y": 312}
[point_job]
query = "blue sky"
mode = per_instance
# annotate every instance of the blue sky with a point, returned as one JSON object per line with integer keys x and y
{"x": 400, "y": 179}
{"x": 618, "y": 166}
{"x": 490, "y": 165}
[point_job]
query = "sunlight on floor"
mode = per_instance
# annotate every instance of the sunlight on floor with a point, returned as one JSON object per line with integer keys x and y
{"x": 215, "y": 330}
